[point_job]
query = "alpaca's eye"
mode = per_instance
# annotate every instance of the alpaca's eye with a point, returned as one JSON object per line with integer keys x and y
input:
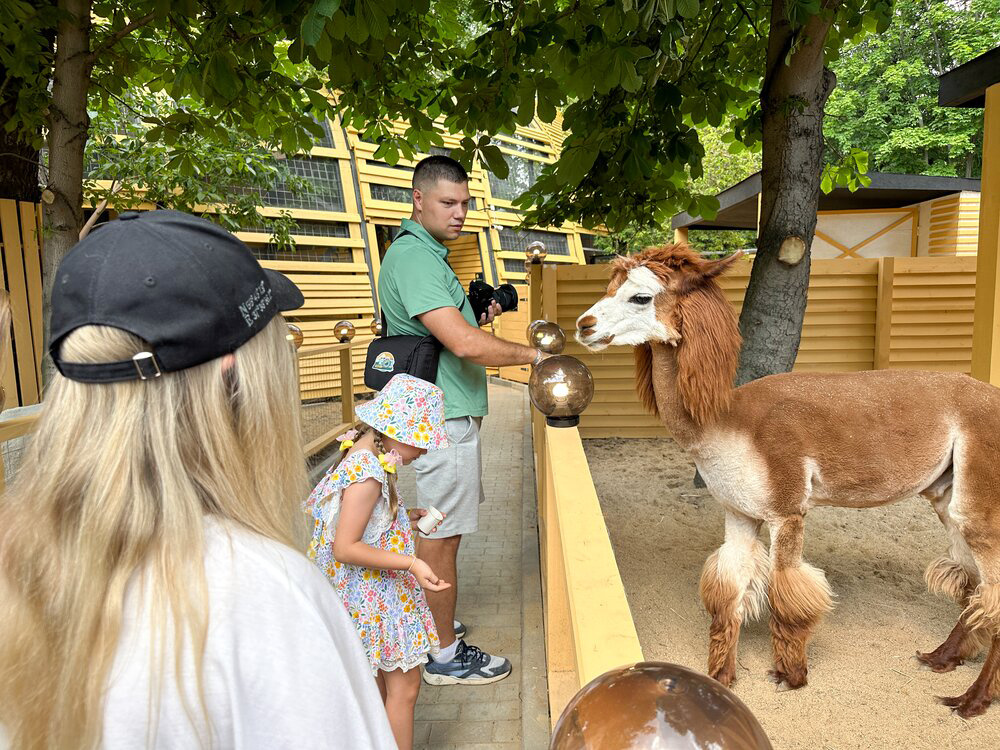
{"x": 640, "y": 299}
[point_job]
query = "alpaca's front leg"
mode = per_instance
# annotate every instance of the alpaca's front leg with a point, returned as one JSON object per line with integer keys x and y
{"x": 733, "y": 588}
{"x": 799, "y": 596}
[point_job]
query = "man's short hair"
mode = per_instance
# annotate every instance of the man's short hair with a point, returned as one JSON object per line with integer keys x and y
{"x": 435, "y": 168}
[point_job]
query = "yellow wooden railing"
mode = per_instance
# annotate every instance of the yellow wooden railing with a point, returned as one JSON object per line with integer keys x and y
{"x": 312, "y": 361}
{"x": 588, "y": 624}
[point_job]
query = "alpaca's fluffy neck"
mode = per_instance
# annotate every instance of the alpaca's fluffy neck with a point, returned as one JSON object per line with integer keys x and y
{"x": 669, "y": 402}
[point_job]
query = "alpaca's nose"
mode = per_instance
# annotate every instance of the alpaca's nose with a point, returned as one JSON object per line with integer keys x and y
{"x": 585, "y": 325}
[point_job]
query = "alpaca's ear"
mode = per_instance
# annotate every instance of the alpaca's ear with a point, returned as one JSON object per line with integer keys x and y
{"x": 714, "y": 268}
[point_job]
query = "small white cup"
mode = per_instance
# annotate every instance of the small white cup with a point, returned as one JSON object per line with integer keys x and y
{"x": 427, "y": 523}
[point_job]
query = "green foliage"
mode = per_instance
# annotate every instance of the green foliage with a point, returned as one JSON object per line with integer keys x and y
{"x": 725, "y": 163}
{"x": 885, "y": 102}
{"x": 637, "y": 82}
{"x": 182, "y": 167}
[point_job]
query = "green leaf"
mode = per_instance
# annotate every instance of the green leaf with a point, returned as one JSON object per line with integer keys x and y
{"x": 326, "y": 8}
{"x": 376, "y": 19}
{"x": 222, "y": 76}
{"x": 357, "y": 29}
{"x": 312, "y": 27}
{"x": 495, "y": 161}
{"x": 687, "y": 8}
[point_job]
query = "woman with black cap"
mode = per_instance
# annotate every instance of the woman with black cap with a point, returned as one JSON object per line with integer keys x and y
{"x": 152, "y": 594}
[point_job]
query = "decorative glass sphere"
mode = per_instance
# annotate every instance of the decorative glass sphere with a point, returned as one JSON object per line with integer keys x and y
{"x": 548, "y": 337}
{"x": 561, "y": 387}
{"x": 657, "y": 705}
{"x": 532, "y": 325}
{"x": 535, "y": 252}
{"x": 295, "y": 335}
{"x": 376, "y": 327}
{"x": 344, "y": 331}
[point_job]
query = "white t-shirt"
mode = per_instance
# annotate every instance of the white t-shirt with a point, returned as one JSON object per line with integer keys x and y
{"x": 283, "y": 665}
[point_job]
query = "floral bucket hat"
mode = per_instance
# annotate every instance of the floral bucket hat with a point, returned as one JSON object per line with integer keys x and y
{"x": 409, "y": 410}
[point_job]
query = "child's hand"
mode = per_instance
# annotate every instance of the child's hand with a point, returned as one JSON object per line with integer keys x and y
{"x": 417, "y": 513}
{"x": 426, "y": 578}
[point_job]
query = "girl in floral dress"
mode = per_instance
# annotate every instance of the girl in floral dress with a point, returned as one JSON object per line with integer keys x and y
{"x": 363, "y": 540}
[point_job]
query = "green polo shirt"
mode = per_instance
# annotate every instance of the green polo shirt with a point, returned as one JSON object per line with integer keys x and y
{"x": 416, "y": 278}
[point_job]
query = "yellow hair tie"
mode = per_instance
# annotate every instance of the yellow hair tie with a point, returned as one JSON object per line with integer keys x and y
{"x": 389, "y": 461}
{"x": 347, "y": 439}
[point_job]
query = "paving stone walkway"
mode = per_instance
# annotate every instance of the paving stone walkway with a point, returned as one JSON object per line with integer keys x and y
{"x": 499, "y": 599}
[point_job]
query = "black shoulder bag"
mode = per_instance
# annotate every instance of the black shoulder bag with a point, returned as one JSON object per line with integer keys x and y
{"x": 391, "y": 355}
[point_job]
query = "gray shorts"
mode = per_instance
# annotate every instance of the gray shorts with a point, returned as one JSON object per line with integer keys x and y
{"x": 451, "y": 479}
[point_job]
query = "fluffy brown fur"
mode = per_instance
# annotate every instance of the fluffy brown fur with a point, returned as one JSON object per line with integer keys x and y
{"x": 946, "y": 577}
{"x": 799, "y": 597}
{"x": 720, "y": 596}
{"x": 644, "y": 378}
{"x": 709, "y": 350}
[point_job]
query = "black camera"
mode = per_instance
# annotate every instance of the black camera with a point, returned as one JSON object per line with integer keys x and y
{"x": 481, "y": 294}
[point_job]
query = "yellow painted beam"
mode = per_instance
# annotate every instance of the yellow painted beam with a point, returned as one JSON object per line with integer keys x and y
{"x": 603, "y": 632}
{"x": 986, "y": 328}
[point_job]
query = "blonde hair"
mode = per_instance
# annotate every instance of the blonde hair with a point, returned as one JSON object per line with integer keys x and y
{"x": 118, "y": 480}
{"x": 390, "y": 478}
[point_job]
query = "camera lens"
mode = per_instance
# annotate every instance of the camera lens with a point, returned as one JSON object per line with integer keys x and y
{"x": 506, "y": 297}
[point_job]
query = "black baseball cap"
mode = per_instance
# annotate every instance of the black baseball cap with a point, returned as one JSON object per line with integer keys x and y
{"x": 185, "y": 285}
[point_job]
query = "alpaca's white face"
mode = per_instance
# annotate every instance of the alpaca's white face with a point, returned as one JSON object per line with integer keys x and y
{"x": 627, "y": 316}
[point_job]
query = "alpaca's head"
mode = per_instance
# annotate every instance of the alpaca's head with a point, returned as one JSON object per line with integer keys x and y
{"x": 643, "y": 303}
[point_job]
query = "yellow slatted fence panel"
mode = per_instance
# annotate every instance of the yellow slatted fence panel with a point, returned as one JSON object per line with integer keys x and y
{"x": 931, "y": 314}
{"x": 20, "y": 232}
{"x": 513, "y": 326}
{"x": 332, "y": 294}
{"x": 954, "y": 225}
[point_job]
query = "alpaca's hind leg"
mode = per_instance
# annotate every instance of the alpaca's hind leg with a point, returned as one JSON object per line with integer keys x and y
{"x": 981, "y": 693}
{"x": 799, "y": 596}
{"x": 956, "y": 577}
{"x": 733, "y": 588}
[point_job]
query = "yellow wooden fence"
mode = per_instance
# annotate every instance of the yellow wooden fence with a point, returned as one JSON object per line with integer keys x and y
{"x": 588, "y": 624}
{"x": 20, "y": 230}
{"x": 862, "y": 314}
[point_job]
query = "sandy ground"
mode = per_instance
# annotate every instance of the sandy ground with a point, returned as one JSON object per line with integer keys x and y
{"x": 865, "y": 690}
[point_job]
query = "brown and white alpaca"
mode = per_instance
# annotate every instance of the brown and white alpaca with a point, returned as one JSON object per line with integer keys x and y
{"x": 776, "y": 447}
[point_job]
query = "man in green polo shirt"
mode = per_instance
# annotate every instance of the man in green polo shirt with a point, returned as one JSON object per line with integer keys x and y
{"x": 420, "y": 295}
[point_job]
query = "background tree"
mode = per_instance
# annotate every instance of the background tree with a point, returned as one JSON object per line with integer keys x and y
{"x": 725, "y": 163}
{"x": 886, "y": 97}
{"x": 635, "y": 79}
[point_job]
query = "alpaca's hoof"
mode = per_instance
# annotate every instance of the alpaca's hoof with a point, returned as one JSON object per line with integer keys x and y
{"x": 725, "y": 676}
{"x": 968, "y": 706}
{"x": 791, "y": 680}
{"x": 938, "y": 663}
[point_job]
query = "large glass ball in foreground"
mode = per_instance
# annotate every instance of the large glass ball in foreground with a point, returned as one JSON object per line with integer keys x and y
{"x": 376, "y": 327}
{"x": 344, "y": 331}
{"x": 535, "y": 252}
{"x": 295, "y": 335}
{"x": 657, "y": 705}
{"x": 561, "y": 387}
{"x": 548, "y": 337}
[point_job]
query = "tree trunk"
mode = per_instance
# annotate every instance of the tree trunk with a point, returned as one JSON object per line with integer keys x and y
{"x": 68, "y": 128}
{"x": 792, "y": 100}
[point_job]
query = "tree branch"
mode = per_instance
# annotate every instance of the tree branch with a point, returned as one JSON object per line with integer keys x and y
{"x": 749, "y": 19}
{"x": 123, "y": 32}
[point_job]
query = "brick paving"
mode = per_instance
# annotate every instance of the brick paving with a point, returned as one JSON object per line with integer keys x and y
{"x": 499, "y": 599}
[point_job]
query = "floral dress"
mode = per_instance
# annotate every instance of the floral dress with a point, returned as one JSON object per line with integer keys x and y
{"x": 387, "y": 606}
